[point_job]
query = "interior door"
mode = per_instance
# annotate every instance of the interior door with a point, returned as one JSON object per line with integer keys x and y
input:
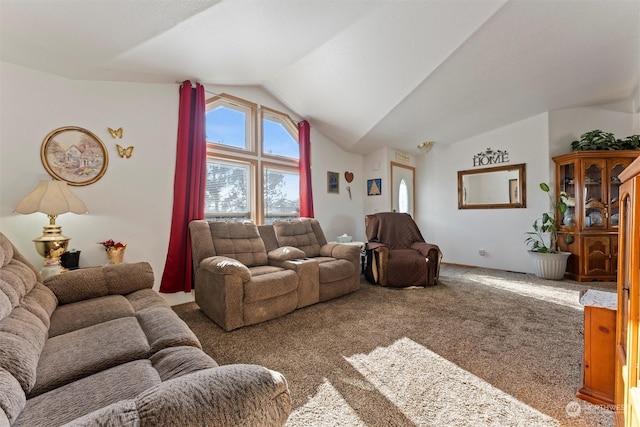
{"x": 403, "y": 188}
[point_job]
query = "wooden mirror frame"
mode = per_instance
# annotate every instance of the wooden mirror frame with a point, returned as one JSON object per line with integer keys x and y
{"x": 520, "y": 187}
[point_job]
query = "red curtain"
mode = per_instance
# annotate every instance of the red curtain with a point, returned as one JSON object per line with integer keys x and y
{"x": 306, "y": 195}
{"x": 188, "y": 187}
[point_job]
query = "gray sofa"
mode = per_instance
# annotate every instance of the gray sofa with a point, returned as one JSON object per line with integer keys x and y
{"x": 247, "y": 274}
{"x": 99, "y": 347}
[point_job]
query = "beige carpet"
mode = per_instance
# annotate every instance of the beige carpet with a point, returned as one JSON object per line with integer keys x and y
{"x": 483, "y": 348}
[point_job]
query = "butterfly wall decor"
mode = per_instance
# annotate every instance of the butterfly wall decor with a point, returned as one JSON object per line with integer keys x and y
{"x": 124, "y": 152}
{"x": 115, "y": 133}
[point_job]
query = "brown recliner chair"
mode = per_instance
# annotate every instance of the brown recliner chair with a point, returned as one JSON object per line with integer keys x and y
{"x": 397, "y": 254}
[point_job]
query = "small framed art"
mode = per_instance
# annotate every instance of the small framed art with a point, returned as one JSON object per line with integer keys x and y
{"x": 333, "y": 182}
{"x": 374, "y": 187}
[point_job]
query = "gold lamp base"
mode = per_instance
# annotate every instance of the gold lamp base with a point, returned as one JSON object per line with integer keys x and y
{"x": 51, "y": 245}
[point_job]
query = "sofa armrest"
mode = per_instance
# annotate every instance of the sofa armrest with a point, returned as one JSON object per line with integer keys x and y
{"x": 87, "y": 283}
{"x": 285, "y": 253}
{"x": 425, "y": 248}
{"x": 224, "y": 396}
{"x": 374, "y": 245}
{"x": 226, "y": 266}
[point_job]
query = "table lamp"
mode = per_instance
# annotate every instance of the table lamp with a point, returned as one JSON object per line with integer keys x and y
{"x": 51, "y": 198}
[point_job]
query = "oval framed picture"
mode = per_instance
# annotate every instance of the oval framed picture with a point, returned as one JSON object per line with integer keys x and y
{"x": 74, "y": 155}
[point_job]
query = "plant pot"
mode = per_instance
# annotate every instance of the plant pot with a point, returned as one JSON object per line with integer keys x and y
{"x": 550, "y": 266}
{"x": 116, "y": 255}
{"x": 70, "y": 260}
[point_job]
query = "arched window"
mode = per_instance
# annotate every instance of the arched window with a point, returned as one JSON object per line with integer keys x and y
{"x": 403, "y": 197}
{"x": 252, "y": 162}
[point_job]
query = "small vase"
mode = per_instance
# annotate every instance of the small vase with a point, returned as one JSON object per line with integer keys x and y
{"x": 115, "y": 255}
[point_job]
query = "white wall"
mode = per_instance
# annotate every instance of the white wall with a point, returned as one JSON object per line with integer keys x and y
{"x": 378, "y": 165}
{"x": 569, "y": 124}
{"x": 132, "y": 202}
{"x": 461, "y": 233}
{"x": 337, "y": 213}
{"x": 500, "y": 232}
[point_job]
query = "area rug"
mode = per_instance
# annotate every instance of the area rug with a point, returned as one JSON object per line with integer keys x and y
{"x": 482, "y": 348}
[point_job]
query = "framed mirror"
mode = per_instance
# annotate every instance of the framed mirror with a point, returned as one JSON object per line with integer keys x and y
{"x": 500, "y": 187}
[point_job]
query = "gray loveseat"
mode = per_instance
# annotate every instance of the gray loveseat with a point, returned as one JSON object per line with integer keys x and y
{"x": 99, "y": 347}
{"x": 247, "y": 274}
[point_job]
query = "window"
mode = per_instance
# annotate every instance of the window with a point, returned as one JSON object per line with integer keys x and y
{"x": 227, "y": 196}
{"x": 281, "y": 189}
{"x": 229, "y": 122}
{"x": 278, "y": 135}
{"x": 403, "y": 197}
{"x": 242, "y": 139}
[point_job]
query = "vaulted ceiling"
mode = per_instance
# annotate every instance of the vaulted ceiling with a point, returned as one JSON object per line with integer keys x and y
{"x": 365, "y": 73}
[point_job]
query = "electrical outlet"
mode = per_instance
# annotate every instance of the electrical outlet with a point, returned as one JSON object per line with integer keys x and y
{"x": 482, "y": 252}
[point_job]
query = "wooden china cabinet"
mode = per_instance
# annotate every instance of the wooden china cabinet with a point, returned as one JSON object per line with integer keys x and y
{"x": 627, "y": 352}
{"x": 589, "y": 228}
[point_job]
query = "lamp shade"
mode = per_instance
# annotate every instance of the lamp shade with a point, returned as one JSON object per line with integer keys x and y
{"x": 52, "y": 198}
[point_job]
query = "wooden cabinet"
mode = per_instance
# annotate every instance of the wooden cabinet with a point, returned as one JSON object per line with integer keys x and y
{"x": 589, "y": 229}
{"x": 627, "y": 354}
{"x": 598, "y": 375}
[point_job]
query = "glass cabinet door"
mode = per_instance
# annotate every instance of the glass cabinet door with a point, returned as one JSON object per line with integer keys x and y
{"x": 594, "y": 201}
{"x": 616, "y": 167}
{"x": 624, "y": 283}
{"x": 568, "y": 188}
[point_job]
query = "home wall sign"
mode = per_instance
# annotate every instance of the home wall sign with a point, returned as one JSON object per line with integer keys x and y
{"x": 491, "y": 157}
{"x": 402, "y": 158}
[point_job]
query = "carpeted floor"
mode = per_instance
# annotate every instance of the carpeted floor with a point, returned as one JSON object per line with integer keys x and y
{"x": 484, "y": 347}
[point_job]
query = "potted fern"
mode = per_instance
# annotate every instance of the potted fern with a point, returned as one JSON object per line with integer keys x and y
{"x": 599, "y": 140}
{"x": 548, "y": 261}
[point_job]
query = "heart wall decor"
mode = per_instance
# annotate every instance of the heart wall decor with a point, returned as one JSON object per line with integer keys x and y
{"x": 348, "y": 176}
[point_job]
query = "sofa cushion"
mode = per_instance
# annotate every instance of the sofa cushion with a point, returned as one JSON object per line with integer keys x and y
{"x": 240, "y": 241}
{"x": 69, "y": 402}
{"x": 22, "y": 337}
{"x": 175, "y": 362}
{"x": 270, "y": 285}
{"x": 12, "y": 397}
{"x": 331, "y": 269}
{"x": 41, "y": 302}
{"x": 299, "y": 234}
{"x": 7, "y": 296}
{"x": 263, "y": 269}
{"x": 19, "y": 277}
{"x": 81, "y": 314}
{"x": 6, "y": 250}
{"x": 83, "y": 352}
{"x": 146, "y": 298}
